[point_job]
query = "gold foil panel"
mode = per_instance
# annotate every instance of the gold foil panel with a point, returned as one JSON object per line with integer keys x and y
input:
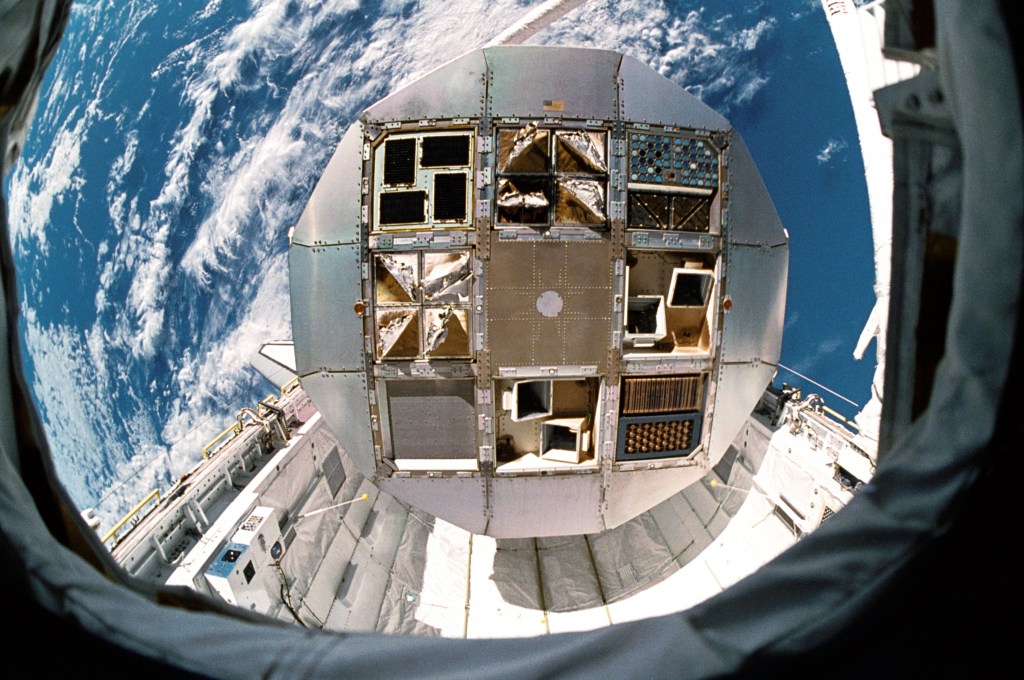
{"x": 580, "y": 201}
{"x": 447, "y": 332}
{"x": 397, "y": 333}
{"x": 523, "y": 150}
{"x": 581, "y": 151}
{"x": 523, "y": 201}
{"x": 446, "y": 277}
{"x": 397, "y": 277}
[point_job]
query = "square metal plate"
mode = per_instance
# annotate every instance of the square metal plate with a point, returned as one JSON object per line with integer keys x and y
{"x": 549, "y": 303}
{"x": 432, "y": 418}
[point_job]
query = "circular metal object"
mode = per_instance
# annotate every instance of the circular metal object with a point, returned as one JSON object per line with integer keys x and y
{"x": 550, "y": 304}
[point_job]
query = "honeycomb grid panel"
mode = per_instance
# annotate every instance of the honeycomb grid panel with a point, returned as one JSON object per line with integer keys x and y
{"x": 658, "y": 437}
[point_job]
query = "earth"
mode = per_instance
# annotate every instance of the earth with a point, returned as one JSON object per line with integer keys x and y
{"x": 173, "y": 149}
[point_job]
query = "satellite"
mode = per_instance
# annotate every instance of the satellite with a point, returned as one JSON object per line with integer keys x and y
{"x": 538, "y": 291}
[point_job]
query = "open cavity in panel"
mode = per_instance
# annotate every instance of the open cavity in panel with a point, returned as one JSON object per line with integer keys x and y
{"x": 670, "y": 302}
{"x": 544, "y": 423}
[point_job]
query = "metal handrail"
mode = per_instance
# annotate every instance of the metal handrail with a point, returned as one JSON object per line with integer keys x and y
{"x": 840, "y": 417}
{"x": 289, "y": 386}
{"x": 234, "y": 429}
{"x": 261, "y": 406}
{"x": 155, "y": 493}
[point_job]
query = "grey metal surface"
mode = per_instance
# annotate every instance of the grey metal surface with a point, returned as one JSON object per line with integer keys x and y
{"x": 739, "y": 388}
{"x": 432, "y": 418}
{"x": 632, "y": 492}
{"x": 751, "y": 213}
{"x": 756, "y": 284}
{"x": 543, "y": 296}
{"x": 275, "y": 361}
{"x": 522, "y": 277}
{"x": 530, "y": 82}
{"x": 455, "y": 90}
{"x": 649, "y": 97}
{"x": 333, "y": 213}
{"x": 325, "y": 286}
{"x": 460, "y": 500}
{"x": 927, "y": 168}
{"x": 344, "y": 405}
{"x": 550, "y": 506}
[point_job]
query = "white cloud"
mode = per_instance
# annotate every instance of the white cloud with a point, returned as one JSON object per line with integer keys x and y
{"x": 805, "y": 8}
{"x": 747, "y": 38}
{"x": 75, "y": 408}
{"x": 825, "y": 349}
{"x": 746, "y": 91}
{"x": 35, "y": 189}
{"x": 829, "y": 151}
{"x": 711, "y": 58}
{"x": 250, "y": 187}
{"x": 216, "y": 372}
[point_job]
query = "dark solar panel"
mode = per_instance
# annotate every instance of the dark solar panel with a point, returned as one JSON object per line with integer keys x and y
{"x": 450, "y": 196}
{"x": 442, "y": 151}
{"x": 403, "y": 207}
{"x": 400, "y": 161}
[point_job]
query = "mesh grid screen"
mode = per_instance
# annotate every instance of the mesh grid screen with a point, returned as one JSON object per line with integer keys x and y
{"x": 403, "y": 207}
{"x": 450, "y": 196}
{"x": 442, "y": 151}
{"x": 671, "y": 435}
{"x": 651, "y": 210}
{"x": 400, "y": 161}
{"x": 661, "y": 394}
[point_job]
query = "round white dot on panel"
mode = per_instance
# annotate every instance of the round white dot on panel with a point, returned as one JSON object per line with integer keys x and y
{"x": 550, "y": 303}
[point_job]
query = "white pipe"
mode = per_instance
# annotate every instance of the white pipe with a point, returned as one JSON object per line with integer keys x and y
{"x": 543, "y": 15}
